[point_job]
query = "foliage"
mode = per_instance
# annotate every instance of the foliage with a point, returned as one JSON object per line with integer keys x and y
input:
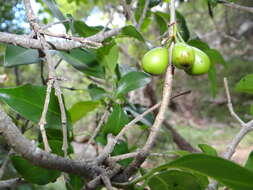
{"x": 109, "y": 74}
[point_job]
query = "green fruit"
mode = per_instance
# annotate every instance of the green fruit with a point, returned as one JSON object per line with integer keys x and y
{"x": 183, "y": 56}
{"x": 201, "y": 64}
{"x": 155, "y": 61}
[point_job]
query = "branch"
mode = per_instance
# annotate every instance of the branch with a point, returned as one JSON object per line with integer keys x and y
{"x": 11, "y": 183}
{"x": 230, "y": 105}
{"x": 140, "y": 158}
{"x": 236, "y": 6}
{"x": 245, "y": 129}
{"x": 56, "y": 43}
{"x": 41, "y": 158}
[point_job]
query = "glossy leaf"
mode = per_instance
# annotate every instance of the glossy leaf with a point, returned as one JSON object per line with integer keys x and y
{"x": 199, "y": 44}
{"x": 245, "y": 84}
{"x": 32, "y": 173}
{"x": 15, "y": 56}
{"x": 81, "y": 109}
{"x": 224, "y": 171}
{"x": 56, "y": 146}
{"x": 208, "y": 149}
{"x": 28, "y": 101}
{"x": 130, "y": 31}
{"x": 153, "y": 3}
{"x": 51, "y": 4}
{"x": 96, "y": 93}
{"x": 212, "y": 79}
{"x": 116, "y": 121}
{"x": 216, "y": 57}
{"x": 174, "y": 180}
{"x": 84, "y": 30}
{"x": 132, "y": 81}
{"x": 183, "y": 29}
{"x": 84, "y": 61}
{"x": 249, "y": 162}
{"x": 163, "y": 27}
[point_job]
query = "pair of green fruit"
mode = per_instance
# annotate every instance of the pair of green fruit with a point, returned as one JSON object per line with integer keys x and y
{"x": 191, "y": 59}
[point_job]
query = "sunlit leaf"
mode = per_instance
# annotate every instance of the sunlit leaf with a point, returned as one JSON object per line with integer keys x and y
{"x": 245, "y": 84}
{"x": 132, "y": 81}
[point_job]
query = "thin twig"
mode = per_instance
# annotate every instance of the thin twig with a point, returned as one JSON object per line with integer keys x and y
{"x": 55, "y": 23}
{"x": 140, "y": 158}
{"x": 245, "y": 129}
{"x": 58, "y": 94}
{"x": 52, "y": 80}
{"x": 110, "y": 146}
{"x": 133, "y": 154}
{"x": 230, "y": 105}
{"x": 5, "y": 163}
{"x": 236, "y": 6}
{"x": 42, "y": 121}
{"x": 100, "y": 124}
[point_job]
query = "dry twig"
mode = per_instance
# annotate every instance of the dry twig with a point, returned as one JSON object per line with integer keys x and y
{"x": 245, "y": 129}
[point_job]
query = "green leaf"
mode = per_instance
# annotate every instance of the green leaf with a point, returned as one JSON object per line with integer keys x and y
{"x": 132, "y": 81}
{"x": 174, "y": 180}
{"x": 222, "y": 170}
{"x": 181, "y": 23}
{"x": 199, "y": 44}
{"x": 153, "y": 3}
{"x": 84, "y": 30}
{"x": 216, "y": 57}
{"x": 75, "y": 182}
{"x": 138, "y": 11}
{"x": 15, "y": 56}
{"x": 96, "y": 93}
{"x": 56, "y": 12}
{"x": 251, "y": 109}
{"x": 183, "y": 29}
{"x": 249, "y": 162}
{"x": 28, "y": 101}
{"x": 212, "y": 79}
{"x": 81, "y": 109}
{"x": 245, "y": 84}
{"x": 122, "y": 148}
{"x": 116, "y": 121}
{"x": 163, "y": 27}
{"x": 34, "y": 174}
{"x": 56, "y": 146}
{"x": 130, "y": 31}
{"x": 208, "y": 149}
{"x": 109, "y": 56}
{"x": 84, "y": 61}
